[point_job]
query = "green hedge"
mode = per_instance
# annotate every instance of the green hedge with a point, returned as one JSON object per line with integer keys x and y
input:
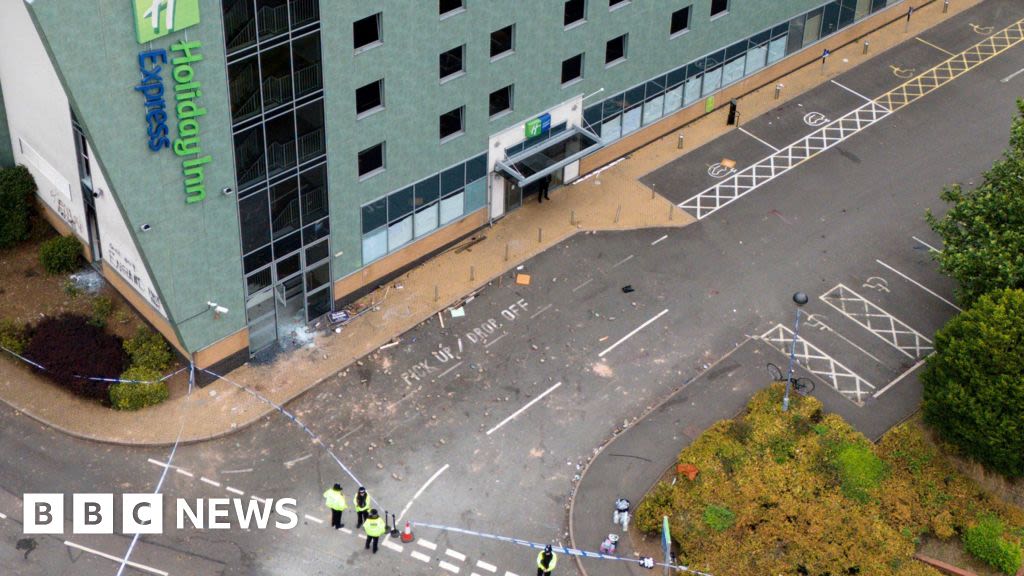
{"x": 719, "y": 518}
{"x": 60, "y": 255}
{"x": 147, "y": 349}
{"x": 13, "y": 336}
{"x": 986, "y": 543}
{"x": 16, "y": 190}
{"x": 137, "y": 395}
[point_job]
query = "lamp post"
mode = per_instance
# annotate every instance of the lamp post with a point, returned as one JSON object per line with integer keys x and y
{"x": 800, "y": 299}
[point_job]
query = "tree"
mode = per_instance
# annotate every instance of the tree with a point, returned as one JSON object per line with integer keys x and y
{"x": 974, "y": 383}
{"x": 16, "y": 190}
{"x": 983, "y": 231}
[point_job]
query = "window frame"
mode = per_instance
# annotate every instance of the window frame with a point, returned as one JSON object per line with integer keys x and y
{"x": 461, "y": 110}
{"x": 686, "y": 28}
{"x": 374, "y": 171}
{"x": 722, "y": 12}
{"x": 379, "y": 20}
{"x": 511, "y": 88}
{"x": 625, "y": 50}
{"x": 511, "y": 44}
{"x": 462, "y": 64}
{"x": 451, "y": 12}
{"x": 614, "y": 5}
{"x": 577, "y": 78}
{"x": 380, "y": 96}
{"x": 579, "y": 21}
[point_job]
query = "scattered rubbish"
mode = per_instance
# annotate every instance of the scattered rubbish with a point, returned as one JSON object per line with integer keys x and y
{"x": 88, "y": 281}
{"x": 602, "y": 339}
{"x": 395, "y": 342}
{"x": 628, "y": 288}
{"x": 339, "y": 317}
{"x": 440, "y": 319}
{"x": 520, "y": 267}
{"x": 337, "y": 330}
{"x": 399, "y": 286}
{"x": 728, "y": 163}
{"x": 523, "y": 279}
{"x": 457, "y": 312}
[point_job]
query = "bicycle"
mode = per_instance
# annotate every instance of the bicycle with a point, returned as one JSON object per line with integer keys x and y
{"x": 802, "y": 386}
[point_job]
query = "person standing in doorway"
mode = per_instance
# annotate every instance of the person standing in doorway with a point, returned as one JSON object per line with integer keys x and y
{"x": 546, "y": 562}
{"x": 542, "y": 189}
{"x": 335, "y": 500}
{"x": 362, "y": 502}
{"x": 374, "y": 528}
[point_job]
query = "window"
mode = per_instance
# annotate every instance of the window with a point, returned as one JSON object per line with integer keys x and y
{"x": 575, "y": 12}
{"x": 680, "y": 21}
{"x": 503, "y": 41}
{"x": 366, "y": 32}
{"x": 450, "y": 62}
{"x": 451, "y": 123}
{"x": 449, "y": 7}
{"x": 572, "y": 69}
{"x": 615, "y": 50}
{"x": 614, "y": 4}
{"x": 370, "y": 97}
{"x": 501, "y": 101}
{"x": 371, "y": 160}
{"x": 719, "y": 7}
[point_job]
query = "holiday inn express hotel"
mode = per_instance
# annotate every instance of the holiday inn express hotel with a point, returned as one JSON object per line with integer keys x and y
{"x": 279, "y": 158}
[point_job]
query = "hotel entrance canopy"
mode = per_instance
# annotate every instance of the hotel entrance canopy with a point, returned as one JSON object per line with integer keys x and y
{"x": 548, "y": 156}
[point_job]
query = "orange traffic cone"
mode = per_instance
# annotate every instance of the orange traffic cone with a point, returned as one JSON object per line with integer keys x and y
{"x": 407, "y": 533}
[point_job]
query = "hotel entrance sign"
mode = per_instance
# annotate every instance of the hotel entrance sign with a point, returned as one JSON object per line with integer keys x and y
{"x": 158, "y": 18}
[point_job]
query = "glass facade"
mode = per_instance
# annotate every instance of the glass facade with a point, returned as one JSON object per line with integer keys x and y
{"x": 646, "y": 103}
{"x": 391, "y": 222}
{"x": 276, "y": 91}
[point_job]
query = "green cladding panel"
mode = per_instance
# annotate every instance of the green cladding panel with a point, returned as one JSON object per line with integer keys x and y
{"x": 191, "y": 249}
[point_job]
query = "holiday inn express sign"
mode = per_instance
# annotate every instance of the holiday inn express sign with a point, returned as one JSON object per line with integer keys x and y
{"x": 155, "y": 19}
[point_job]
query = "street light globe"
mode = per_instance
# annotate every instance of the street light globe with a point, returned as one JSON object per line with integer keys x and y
{"x": 800, "y": 298}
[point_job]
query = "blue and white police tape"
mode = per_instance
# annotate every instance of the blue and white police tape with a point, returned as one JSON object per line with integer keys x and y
{"x": 316, "y": 439}
{"x": 556, "y": 549}
{"x": 91, "y": 378}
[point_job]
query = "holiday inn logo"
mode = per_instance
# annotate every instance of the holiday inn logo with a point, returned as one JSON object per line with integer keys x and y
{"x": 158, "y": 18}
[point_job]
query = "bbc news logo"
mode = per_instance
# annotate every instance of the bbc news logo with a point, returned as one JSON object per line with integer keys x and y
{"x": 144, "y": 514}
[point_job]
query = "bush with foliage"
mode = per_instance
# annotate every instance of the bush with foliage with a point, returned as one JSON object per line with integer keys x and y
{"x": 13, "y": 336}
{"x": 70, "y": 347}
{"x": 60, "y": 255}
{"x": 102, "y": 308}
{"x": 986, "y": 543}
{"x": 147, "y": 349}
{"x": 143, "y": 389}
{"x": 983, "y": 231}
{"x": 974, "y": 383}
{"x": 16, "y": 190}
{"x": 810, "y": 495}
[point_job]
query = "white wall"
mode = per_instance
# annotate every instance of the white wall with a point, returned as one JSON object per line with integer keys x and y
{"x": 39, "y": 118}
{"x": 570, "y": 111}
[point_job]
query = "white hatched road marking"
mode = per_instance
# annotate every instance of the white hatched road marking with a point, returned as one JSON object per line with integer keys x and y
{"x": 427, "y": 544}
{"x": 898, "y": 378}
{"x": 877, "y": 321}
{"x": 457, "y": 555}
{"x": 142, "y": 567}
{"x": 745, "y": 181}
{"x": 748, "y": 133}
{"x": 449, "y": 567}
{"x": 841, "y": 378}
{"x": 485, "y": 566}
{"x": 919, "y": 285}
{"x": 420, "y": 556}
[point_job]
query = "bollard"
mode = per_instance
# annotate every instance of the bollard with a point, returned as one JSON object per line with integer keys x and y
{"x": 671, "y": 211}
{"x": 472, "y": 274}
{"x": 618, "y": 212}
{"x": 945, "y": 6}
{"x": 652, "y": 193}
{"x": 540, "y": 235}
{"x": 437, "y": 295}
{"x": 778, "y": 90}
{"x": 506, "y": 251}
{"x": 572, "y": 217}
{"x": 679, "y": 142}
{"x": 866, "y": 46}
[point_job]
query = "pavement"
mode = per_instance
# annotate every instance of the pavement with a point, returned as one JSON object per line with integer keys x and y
{"x": 487, "y": 422}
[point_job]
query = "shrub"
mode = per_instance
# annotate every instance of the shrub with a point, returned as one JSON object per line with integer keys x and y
{"x": 102, "y": 308}
{"x": 148, "y": 391}
{"x": 719, "y": 518}
{"x": 860, "y": 471}
{"x": 655, "y": 505}
{"x": 13, "y": 336}
{"x": 69, "y": 347}
{"x": 739, "y": 430}
{"x": 974, "y": 383}
{"x": 60, "y": 255}
{"x": 16, "y": 190}
{"x": 942, "y": 525}
{"x": 147, "y": 349}
{"x": 71, "y": 289}
{"x": 986, "y": 543}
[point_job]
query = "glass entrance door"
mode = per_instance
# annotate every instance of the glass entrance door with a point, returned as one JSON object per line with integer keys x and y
{"x": 513, "y": 196}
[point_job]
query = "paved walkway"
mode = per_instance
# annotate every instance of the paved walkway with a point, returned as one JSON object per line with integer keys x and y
{"x": 612, "y": 199}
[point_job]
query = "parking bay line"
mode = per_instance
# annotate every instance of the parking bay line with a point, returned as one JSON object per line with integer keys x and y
{"x": 926, "y": 245}
{"x": 142, "y": 567}
{"x": 919, "y": 285}
{"x": 582, "y": 285}
{"x": 748, "y": 133}
{"x": 445, "y": 373}
{"x": 524, "y": 408}
{"x": 851, "y": 90}
{"x": 1012, "y": 76}
{"x": 900, "y": 377}
{"x": 542, "y": 310}
{"x": 630, "y": 335}
{"x": 659, "y": 240}
{"x": 490, "y": 342}
{"x": 927, "y": 43}
{"x": 422, "y": 488}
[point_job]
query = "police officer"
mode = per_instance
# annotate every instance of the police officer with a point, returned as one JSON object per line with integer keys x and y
{"x": 374, "y": 528}
{"x": 362, "y": 503}
{"x": 546, "y": 562}
{"x": 335, "y": 500}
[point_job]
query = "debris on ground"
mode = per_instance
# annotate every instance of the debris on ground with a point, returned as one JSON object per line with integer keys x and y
{"x": 457, "y": 312}
{"x": 523, "y": 279}
{"x": 628, "y": 288}
{"x": 88, "y": 280}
